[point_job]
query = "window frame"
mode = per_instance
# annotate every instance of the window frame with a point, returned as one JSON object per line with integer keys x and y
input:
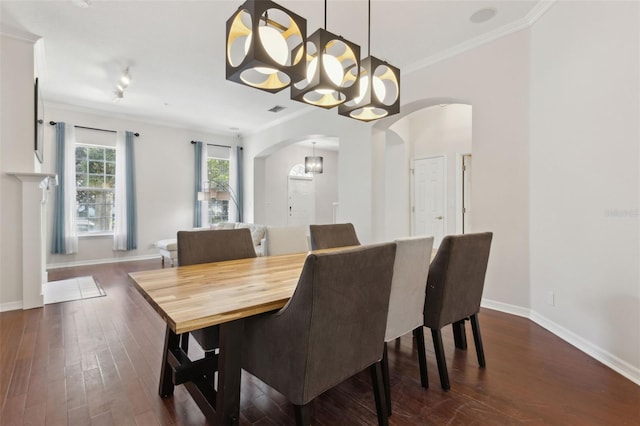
{"x": 222, "y": 204}
{"x": 87, "y": 174}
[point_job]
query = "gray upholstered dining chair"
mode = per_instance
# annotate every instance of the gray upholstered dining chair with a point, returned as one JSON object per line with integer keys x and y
{"x": 285, "y": 240}
{"x": 332, "y": 328}
{"x": 333, "y": 235}
{"x": 208, "y": 246}
{"x": 406, "y": 302}
{"x": 454, "y": 291}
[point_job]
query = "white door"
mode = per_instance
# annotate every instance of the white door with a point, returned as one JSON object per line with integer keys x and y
{"x": 300, "y": 208}
{"x": 466, "y": 194}
{"x": 429, "y": 196}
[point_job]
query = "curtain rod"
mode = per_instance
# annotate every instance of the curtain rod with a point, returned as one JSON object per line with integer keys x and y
{"x": 213, "y": 144}
{"x": 53, "y": 123}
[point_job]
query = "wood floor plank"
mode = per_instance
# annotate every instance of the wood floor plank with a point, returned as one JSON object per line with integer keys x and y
{"x": 97, "y": 362}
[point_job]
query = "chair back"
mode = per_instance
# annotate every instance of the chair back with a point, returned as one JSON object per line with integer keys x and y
{"x": 456, "y": 279}
{"x": 410, "y": 271}
{"x": 285, "y": 240}
{"x": 214, "y": 246}
{"x": 332, "y": 328}
{"x": 217, "y": 245}
{"x": 334, "y": 235}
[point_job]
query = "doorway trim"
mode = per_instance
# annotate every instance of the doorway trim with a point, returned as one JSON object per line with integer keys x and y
{"x": 459, "y": 203}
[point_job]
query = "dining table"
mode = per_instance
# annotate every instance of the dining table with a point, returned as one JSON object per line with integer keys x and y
{"x": 220, "y": 294}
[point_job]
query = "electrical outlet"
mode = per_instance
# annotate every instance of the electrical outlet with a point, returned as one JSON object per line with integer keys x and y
{"x": 550, "y": 298}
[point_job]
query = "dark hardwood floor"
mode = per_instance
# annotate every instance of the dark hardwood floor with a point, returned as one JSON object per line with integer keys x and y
{"x": 97, "y": 362}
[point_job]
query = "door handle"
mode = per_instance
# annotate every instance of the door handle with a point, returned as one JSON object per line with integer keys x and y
{"x": 439, "y": 217}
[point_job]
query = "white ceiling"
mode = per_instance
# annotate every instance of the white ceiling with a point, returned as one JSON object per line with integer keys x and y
{"x": 175, "y": 50}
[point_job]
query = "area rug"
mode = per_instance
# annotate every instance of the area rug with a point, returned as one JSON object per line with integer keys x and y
{"x": 72, "y": 289}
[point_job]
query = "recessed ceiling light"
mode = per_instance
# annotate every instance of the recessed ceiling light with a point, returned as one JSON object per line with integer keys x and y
{"x": 483, "y": 15}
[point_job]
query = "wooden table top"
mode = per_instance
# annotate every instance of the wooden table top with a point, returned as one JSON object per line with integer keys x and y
{"x": 196, "y": 296}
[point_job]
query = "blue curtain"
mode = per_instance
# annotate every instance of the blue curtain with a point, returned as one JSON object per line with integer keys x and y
{"x": 58, "y": 241}
{"x": 197, "y": 206}
{"x": 240, "y": 180}
{"x": 132, "y": 217}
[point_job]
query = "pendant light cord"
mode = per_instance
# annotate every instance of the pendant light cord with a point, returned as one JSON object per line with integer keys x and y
{"x": 325, "y": 15}
{"x": 369, "y": 32}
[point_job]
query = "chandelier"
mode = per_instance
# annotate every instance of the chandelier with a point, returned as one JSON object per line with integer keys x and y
{"x": 267, "y": 48}
{"x": 332, "y": 64}
{"x": 313, "y": 164}
{"x": 379, "y": 94}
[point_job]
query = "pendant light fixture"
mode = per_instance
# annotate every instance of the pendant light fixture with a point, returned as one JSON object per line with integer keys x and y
{"x": 332, "y": 65}
{"x": 265, "y": 46}
{"x": 379, "y": 88}
{"x": 313, "y": 164}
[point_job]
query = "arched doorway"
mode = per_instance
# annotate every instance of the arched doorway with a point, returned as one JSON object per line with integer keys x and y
{"x": 423, "y": 184}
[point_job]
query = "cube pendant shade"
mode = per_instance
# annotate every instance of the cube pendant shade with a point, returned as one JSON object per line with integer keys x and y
{"x": 332, "y": 65}
{"x": 265, "y": 46}
{"x": 379, "y": 96}
{"x": 313, "y": 164}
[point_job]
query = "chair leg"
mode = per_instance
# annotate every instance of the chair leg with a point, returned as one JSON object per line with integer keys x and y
{"x": 459, "y": 335}
{"x": 442, "y": 363}
{"x": 378, "y": 391}
{"x": 422, "y": 357}
{"x": 385, "y": 377}
{"x": 475, "y": 325}
{"x": 303, "y": 415}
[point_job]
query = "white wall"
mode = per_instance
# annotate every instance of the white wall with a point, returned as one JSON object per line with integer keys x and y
{"x": 397, "y": 187}
{"x": 273, "y": 179}
{"x": 584, "y": 176}
{"x": 443, "y": 130}
{"x": 16, "y": 155}
{"x": 493, "y": 79}
{"x": 164, "y": 181}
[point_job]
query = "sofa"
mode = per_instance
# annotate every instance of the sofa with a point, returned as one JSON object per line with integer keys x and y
{"x": 169, "y": 248}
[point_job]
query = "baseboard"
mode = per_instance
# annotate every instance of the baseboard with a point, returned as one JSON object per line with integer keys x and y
{"x": 506, "y": 308}
{"x": 103, "y": 261}
{"x": 620, "y": 366}
{"x": 627, "y": 370}
{"x": 11, "y": 306}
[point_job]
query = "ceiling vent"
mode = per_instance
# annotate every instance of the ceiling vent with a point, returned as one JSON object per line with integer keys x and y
{"x": 277, "y": 108}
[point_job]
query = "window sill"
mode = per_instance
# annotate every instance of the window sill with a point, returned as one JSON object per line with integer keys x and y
{"x": 96, "y": 235}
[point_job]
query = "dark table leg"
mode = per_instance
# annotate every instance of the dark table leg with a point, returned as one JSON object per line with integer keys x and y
{"x": 171, "y": 341}
{"x": 221, "y": 405}
{"x": 229, "y": 372}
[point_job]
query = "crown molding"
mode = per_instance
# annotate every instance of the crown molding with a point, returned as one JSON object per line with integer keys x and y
{"x": 534, "y": 14}
{"x": 538, "y": 10}
{"x": 18, "y": 34}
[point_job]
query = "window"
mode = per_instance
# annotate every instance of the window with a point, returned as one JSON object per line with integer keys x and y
{"x": 95, "y": 189}
{"x": 298, "y": 171}
{"x": 218, "y": 177}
